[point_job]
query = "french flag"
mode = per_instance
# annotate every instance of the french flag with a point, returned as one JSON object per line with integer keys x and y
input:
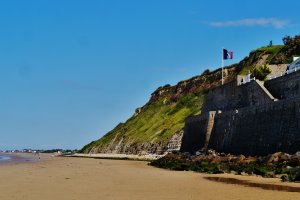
{"x": 227, "y": 54}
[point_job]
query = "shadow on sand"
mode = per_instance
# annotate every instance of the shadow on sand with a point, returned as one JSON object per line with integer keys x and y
{"x": 251, "y": 184}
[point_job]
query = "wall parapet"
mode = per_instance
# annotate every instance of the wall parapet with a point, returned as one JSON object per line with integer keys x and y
{"x": 285, "y": 87}
{"x": 231, "y": 96}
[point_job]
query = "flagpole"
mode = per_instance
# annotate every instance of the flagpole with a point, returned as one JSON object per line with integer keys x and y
{"x": 222, "y": 65}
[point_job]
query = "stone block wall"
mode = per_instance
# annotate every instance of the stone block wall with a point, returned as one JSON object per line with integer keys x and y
{"x": 285, "y": 87}
{"x": 194, "y": 133}
{"x": 231, "y": 97}
{"x": 251, "y": 119}
{"x": 258, "y": 130}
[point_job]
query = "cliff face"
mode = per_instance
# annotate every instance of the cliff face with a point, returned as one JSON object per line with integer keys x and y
{"x": 157, "y": 127}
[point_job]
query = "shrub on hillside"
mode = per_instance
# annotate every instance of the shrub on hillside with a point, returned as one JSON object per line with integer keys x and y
{"x": 205, "y": 72}
{"x": 261, "y": 73}
{"x": 294, "y": 174}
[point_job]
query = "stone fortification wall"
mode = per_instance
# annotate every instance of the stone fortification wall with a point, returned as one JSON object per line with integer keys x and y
{"x": 258, "y": 130}
{"x": 250, "y": 119}
{"x": 197, "y": 131}
{"x": 285, "y": 87}
{"x": 231, "y": 96}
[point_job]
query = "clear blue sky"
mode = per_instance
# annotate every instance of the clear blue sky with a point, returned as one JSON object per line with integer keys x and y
{"x": 72, "y": 70}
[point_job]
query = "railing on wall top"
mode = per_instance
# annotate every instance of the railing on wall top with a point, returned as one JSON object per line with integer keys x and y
{"x": 284, "y": 73}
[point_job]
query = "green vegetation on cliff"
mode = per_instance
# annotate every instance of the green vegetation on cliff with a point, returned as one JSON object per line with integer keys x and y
{"x": 261, "y": 72}
{"x": 153, "y": 125}
{"x": 259, "y": 57}
{"x": 156, "y": 122}
{"x": 291, "y": 48}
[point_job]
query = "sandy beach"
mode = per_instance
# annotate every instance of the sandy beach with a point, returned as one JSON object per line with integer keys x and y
{"x": 86, "y": 178}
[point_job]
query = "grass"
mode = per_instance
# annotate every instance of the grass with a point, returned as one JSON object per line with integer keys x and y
{"x": 249, "y": 63}
{"x": 270, "y": 49}
{"x": 246, "y": 69}
{"x": 157, "y": 122}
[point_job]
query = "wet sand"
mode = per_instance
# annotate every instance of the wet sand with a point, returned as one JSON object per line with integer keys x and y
{"x": 13, "y": 158}
{"x": 88, "y": 179}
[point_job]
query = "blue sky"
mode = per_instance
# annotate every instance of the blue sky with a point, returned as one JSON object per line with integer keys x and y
{"x": 72, "y": 70}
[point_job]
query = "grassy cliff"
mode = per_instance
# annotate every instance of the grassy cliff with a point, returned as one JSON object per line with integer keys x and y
{"x": 152, "y": 126}
{"x": 155, "y": 122}
{"x": 160, "y": 122}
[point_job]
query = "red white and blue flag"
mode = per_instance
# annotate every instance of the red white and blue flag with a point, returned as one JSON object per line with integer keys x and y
{"x": 227, "y": 54}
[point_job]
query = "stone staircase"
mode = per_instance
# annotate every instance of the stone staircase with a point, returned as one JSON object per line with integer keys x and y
{"x": 267, "y": 92}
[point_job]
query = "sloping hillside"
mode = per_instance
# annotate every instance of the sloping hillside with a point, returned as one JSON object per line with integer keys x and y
{"x": 158, "y": 125}
{"x": 152, "y": 127}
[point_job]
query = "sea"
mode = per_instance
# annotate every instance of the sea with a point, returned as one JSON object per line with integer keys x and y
{"x": 5, "y": 157}
{"x": 12, "y": 158}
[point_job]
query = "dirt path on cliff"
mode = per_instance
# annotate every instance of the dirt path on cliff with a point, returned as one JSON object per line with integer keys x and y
{"x": 91, "y": 179}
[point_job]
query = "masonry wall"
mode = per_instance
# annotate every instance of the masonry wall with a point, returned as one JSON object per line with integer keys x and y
{"x": 194, "y": 133}
{"x": 285, "y": 87}
{"x": 258, "y": 130}
{"x": 231, "y": 97}
{"x": 251, "y": 121}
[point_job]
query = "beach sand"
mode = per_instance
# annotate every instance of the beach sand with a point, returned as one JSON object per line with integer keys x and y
{"x": 60, "y": 178}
